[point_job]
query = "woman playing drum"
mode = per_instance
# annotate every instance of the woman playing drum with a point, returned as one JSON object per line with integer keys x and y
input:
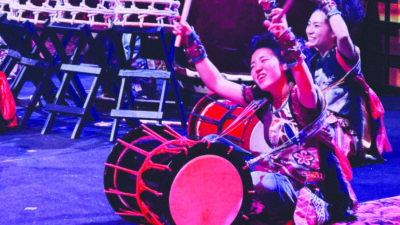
{"x": 355, "y": 110}
{"x": 303, "y": 181}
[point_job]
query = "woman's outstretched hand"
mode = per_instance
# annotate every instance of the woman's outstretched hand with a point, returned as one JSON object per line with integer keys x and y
{"x": 181, "y": 28}
{"x": 278, "y": 24}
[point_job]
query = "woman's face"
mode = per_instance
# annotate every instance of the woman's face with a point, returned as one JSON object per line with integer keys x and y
{"x": 267, "y": 71}
{"x": 319, "y": 32}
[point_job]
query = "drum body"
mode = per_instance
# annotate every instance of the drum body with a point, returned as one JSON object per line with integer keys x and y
{"x": 173, "y": 180}
{"x": 213, "y": 114}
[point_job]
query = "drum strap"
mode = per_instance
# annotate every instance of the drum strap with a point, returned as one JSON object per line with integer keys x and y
{"x": 247, "y": 112}
{"x": 353, "y": 72}
{"x": 299, "y": 139}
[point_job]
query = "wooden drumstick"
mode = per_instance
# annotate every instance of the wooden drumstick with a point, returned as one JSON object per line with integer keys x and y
{"x": 268, "y": 5}
{"x": 185, "y": 13}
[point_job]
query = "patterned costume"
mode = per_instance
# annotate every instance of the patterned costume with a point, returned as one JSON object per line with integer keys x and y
{"x": 355, "y": 109}
{"x": 304, "y": 171}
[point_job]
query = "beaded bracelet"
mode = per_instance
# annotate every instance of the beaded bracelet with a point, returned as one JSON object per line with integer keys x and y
{"x": 329, "y": 7}
{"x": 333, "y": 12}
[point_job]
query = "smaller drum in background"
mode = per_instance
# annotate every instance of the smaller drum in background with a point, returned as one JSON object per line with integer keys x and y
{"x": 212, "y": 114}
{"x": 158, "y": 175}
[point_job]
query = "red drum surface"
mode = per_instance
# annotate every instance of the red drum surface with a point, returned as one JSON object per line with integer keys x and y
{"x": 211, "y": 188}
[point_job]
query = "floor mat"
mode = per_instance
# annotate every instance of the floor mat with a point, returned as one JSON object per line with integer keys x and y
{"x": 382, "y": 211}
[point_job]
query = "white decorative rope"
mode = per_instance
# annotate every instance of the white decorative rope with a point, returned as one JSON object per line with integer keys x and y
{"x": 137, "y": 13}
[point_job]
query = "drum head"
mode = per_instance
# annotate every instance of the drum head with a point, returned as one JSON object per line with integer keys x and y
{"x": 211, "y": 187}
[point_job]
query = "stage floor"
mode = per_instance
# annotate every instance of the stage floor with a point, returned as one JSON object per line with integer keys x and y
{"x": 382, "y": 211}
{"x": 52, "y": 179}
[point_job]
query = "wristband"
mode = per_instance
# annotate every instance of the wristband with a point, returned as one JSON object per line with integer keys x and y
{"x": 194, "y": 49}
{"x": 196, "y": 53}
{"x": 329, "y": 7}
{"x": 290, "y": 47}
{"x": 333, "y": 12}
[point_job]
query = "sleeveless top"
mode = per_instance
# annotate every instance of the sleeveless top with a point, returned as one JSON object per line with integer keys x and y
{"x": 280, "y": 125}
{"x": 310, "y": 163}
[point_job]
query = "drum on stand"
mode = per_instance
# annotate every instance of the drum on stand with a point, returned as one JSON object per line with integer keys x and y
{"x": 212, "y": 114}
{"x": 155, "y": 174}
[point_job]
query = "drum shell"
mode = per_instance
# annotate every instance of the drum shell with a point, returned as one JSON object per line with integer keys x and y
{"x": 126, "y": 182}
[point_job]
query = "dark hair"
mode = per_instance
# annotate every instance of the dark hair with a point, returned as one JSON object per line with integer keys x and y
{"x": 352, "y": 11}
{"x": 265, "y": 40}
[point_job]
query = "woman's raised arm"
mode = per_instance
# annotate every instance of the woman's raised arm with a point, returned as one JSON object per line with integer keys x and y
{"x": 208, "y": 72}
{"x": 292, "y": 54}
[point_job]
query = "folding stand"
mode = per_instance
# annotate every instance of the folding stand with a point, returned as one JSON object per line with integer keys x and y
{"x": 27, "y": 48}
{"x": 10, "y": 61}
{"x": 12, "y": 57}
{"x": 72, "y": 69}
{"x": 158, "y": 37}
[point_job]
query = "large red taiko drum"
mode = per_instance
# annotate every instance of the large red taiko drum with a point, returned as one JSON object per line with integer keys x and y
{"x": 153, "y": 175}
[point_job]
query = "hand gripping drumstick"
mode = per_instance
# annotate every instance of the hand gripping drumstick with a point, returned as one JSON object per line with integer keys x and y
{"x": 185, "y": 13}
{"x": 268, "y": 5}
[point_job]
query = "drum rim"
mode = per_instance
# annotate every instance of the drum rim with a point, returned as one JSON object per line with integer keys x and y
{"x": 118, "y": 152}
{"x": 116, "y": 201}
